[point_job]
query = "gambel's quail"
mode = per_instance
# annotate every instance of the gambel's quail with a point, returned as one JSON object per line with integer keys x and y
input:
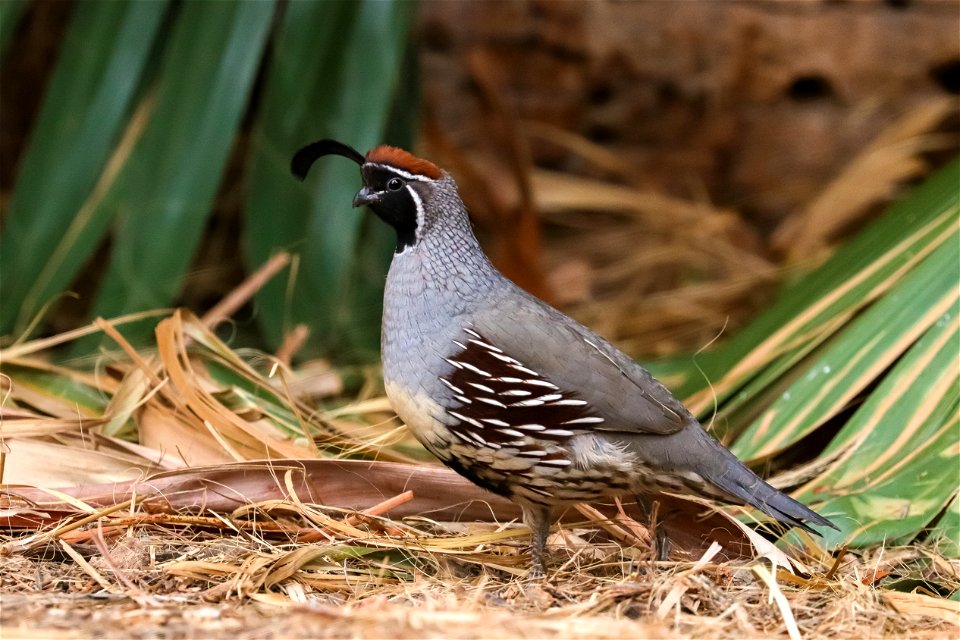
{"x": 508, "y": 391}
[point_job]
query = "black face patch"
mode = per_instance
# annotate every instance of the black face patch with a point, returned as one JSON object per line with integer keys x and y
{"x": 389, "y": 198}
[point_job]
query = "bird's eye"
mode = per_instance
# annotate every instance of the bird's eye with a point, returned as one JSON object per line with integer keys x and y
{"x": 395, "y": 184}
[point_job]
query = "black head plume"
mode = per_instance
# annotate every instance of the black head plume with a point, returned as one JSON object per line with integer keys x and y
{"x": 305, "y": 157}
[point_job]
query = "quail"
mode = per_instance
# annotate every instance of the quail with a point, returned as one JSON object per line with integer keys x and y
{"x": 509, "y": 392}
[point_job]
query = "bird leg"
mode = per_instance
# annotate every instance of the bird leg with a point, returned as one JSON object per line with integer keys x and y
{"x": 650, "y": 507}
{"x": 537, "y": 517}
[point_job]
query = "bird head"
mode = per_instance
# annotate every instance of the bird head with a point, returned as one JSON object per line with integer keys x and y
{"x": 395, "y": 183}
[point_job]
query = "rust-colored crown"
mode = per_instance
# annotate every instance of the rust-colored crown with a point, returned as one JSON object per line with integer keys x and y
{"x": 404, "y": 160}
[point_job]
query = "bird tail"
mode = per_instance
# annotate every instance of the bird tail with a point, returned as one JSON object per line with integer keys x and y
{"x": 735, "y": 479}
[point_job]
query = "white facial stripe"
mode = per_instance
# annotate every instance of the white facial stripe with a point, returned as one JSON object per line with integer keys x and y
{"x": 419, "y": 203}
{"x": 401, "y": 172}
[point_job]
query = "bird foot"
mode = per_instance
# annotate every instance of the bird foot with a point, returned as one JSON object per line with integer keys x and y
{"x": 536, "y": 572}
{"x": 662, "y": 543}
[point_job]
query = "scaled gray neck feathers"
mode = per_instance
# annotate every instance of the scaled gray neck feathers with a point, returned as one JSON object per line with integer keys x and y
{"x": 445, "y": 267}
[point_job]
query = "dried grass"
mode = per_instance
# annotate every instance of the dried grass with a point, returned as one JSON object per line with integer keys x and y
{"x": 661, "y": 273}
{"x": 206, "y": 578}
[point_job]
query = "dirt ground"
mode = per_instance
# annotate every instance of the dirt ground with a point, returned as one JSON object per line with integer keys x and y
{"x": 586, "y": 595}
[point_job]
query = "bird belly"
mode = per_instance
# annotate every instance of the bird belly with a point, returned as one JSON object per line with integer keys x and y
{"x": 419, "y": 412}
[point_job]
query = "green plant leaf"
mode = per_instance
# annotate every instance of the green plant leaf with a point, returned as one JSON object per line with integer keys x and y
{"x": 896, "y": 507}
{"x": 53, "y": 224}
{"x": 946, "y": 534}
{"x": 897, "y": 458}
{"x": 304, "y": 72}
{"x": 164, "y": 194}
{"x": 372, "y": 59}
{"x": 86, "y": 400}
{"x": 877, "y": 324}
{"x": 10, "y": 13}
{"x": 351, "y": 101}
{"x": 820, "y": 304}
{"x": 377, "y": 243}
{"x": 859, "y": 354}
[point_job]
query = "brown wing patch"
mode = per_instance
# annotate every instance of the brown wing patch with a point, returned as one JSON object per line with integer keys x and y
{"x": 404, "y": 160}
{"x": 498, "y": 402}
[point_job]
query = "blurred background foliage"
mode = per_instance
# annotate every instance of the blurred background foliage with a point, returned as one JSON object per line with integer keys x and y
{"x": 155, "y": 173}
{"x": 144, "y": 107}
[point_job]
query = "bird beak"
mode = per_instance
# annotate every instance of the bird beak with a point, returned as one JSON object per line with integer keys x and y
{"x": 365, "y": 196}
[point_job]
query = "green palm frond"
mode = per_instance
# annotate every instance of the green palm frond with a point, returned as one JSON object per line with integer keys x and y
{"x": 863, "y": 353}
